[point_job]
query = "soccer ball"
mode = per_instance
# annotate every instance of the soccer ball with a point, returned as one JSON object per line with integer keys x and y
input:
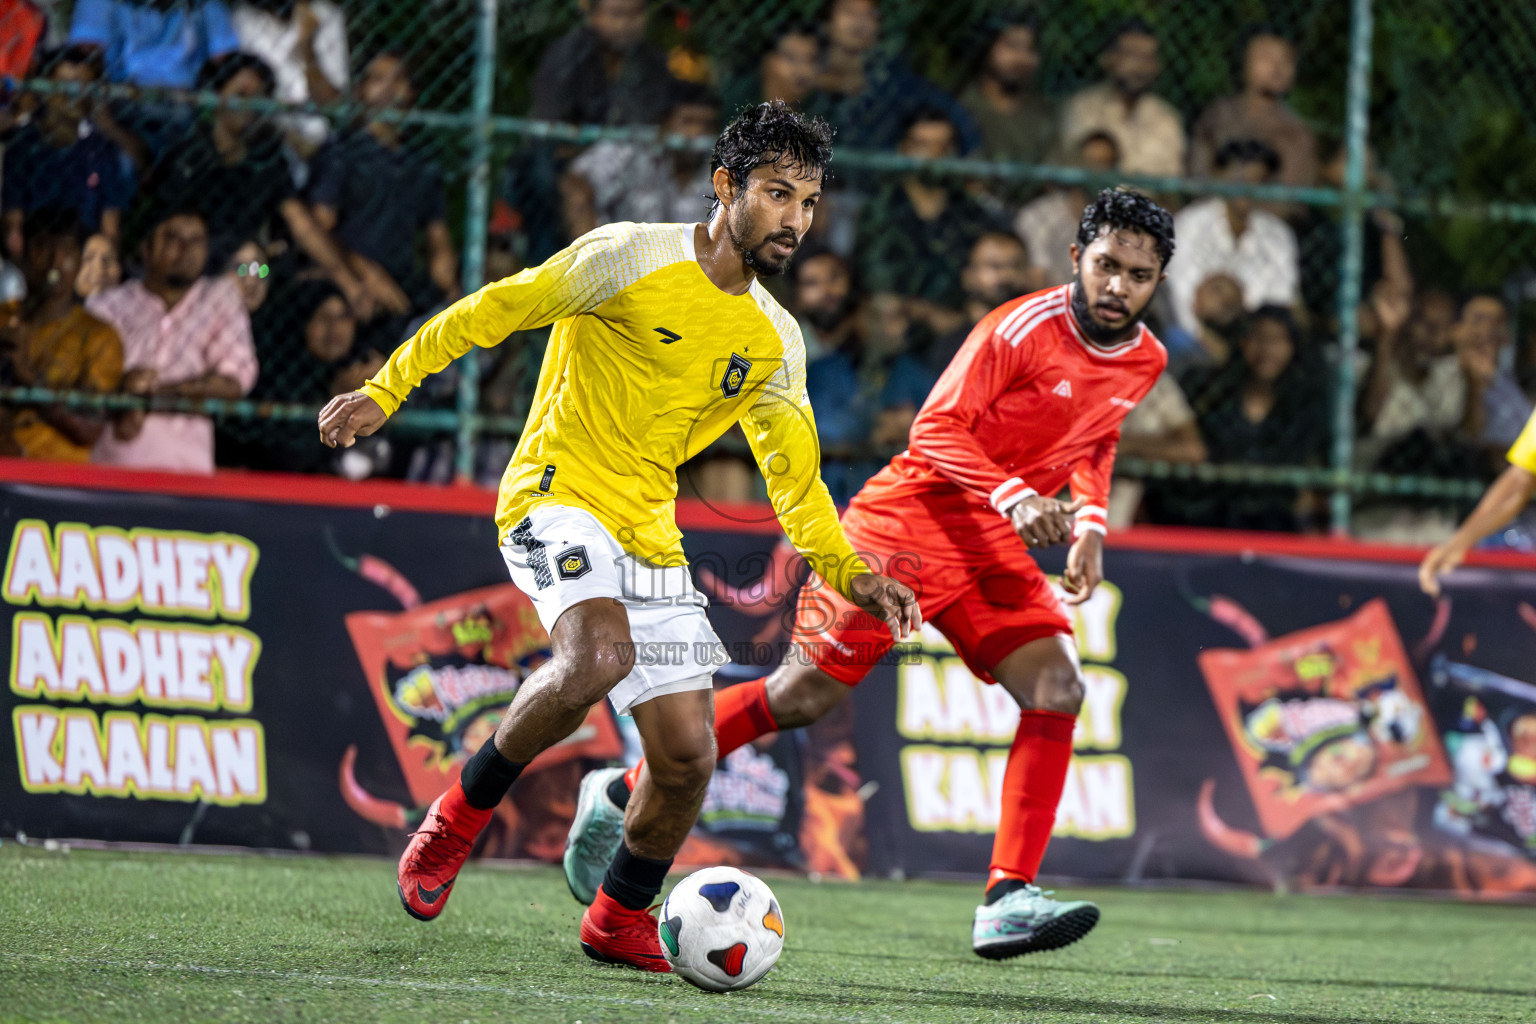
{"x": 721, "y": 929}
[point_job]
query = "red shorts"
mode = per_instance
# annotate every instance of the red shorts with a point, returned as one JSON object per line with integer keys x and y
{"x": 988, "y": 604}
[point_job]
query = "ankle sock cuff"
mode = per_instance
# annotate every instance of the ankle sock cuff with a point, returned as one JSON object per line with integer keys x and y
{"x": 487, "y": 776}
{"x": 634, "y": 882}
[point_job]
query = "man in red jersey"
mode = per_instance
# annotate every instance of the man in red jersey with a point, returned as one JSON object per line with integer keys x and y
{"x": 1031, "y": 403}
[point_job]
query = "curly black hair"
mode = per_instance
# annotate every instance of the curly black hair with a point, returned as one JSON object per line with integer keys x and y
{"x": 1248, "y": 151}
{"x": 773, "y": 134}
{"x": 53, "y": 222}
{"x": 1129, "y": 210}
{"x": 216, "y": 72}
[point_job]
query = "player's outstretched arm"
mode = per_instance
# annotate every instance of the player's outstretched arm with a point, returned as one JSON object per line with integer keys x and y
{"x": 575, "y": 280}
{"x": 891, "y": 602}
{"x": 1501, "y": 503}
{"x": 348, "y": 417}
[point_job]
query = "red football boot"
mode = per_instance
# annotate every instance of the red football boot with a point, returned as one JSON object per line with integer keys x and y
{"x": 614, "y": 934}
{"x": 438, "y": 849}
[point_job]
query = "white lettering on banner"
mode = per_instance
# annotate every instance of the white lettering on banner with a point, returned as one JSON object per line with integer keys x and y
{"x": 105, "y": 568}
{"x": 1098, "y": 723}
{"x": 178, "y": 666}
{"x": 939, "y": 699}
{"x": 952, "y": 788}
{"x": 106, "y": 661}
{"x": 181, "y": 758}
{"x": 960, "y": 789}
{"x": 1096, "y": 803}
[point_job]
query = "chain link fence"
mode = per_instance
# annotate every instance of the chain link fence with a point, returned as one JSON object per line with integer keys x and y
{"x": 1348, "y": 315}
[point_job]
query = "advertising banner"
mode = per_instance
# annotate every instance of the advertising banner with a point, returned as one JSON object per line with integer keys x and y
{"x": 259, "y": 673}
{"x": 305, "y": 664}
{"x": 1255, "y": 709}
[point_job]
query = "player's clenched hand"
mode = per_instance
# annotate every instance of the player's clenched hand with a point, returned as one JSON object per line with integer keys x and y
{"x": 1437, "y": 563}
{"x": 1085, "y": 567}
{"x": 891, "y": 602}
{"x": 345, "y": 418}
{"x": 1040, "y": 521}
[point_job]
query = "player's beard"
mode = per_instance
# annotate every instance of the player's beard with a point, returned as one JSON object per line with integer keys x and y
{"x": 762, "y": 266}
{"x": 1096, "y": 332}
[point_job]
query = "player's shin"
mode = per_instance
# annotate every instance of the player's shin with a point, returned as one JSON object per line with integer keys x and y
{"x": 677, "y": 736}
{"x": 676, "y": 731}
{"x": 1033, "y": 782}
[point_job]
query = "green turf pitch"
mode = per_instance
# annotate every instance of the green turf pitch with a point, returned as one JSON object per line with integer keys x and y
{"x": 179, "y": 938}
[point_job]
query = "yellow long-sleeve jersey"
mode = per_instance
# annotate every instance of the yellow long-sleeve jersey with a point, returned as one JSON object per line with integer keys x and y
{"x": 648, "y": 363}
{"x": 1523, "y": 452}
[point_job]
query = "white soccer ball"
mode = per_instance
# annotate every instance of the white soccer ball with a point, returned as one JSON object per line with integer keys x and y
{"x": 721, "y": 929}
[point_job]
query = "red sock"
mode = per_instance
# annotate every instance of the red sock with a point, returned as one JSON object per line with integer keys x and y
{"x": 741, "y": 716}
{"x": 1032, "y": 785}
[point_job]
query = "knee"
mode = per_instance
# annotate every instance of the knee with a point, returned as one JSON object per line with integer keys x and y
{"x": 1059, "y": 687}
{"x": 588, "y": 674}
{"x": 685, "y": 766}
{"x": 593, "y": 651}
{"x": 799, "y": 697}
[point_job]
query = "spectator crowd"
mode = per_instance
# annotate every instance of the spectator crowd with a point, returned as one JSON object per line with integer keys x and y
{"x": 256, "y": 249}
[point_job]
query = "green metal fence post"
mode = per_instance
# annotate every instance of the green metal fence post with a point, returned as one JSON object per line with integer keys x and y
{"x": 477, "y": 214}
{"x": 1356, "y": 125}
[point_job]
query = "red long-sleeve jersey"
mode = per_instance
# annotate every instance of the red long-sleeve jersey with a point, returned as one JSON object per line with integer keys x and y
{"x": 1027, "y": 406}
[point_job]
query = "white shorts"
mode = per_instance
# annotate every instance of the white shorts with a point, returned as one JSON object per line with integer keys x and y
{"x": 559, "y": 555}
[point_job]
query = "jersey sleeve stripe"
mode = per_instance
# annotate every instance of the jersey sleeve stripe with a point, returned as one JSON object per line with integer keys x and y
{"x": 1009, "y": 493}
{"x": 1025, "y": 310}
{"x": 1047, "y": 313}
{"x": 1091, "y": 510}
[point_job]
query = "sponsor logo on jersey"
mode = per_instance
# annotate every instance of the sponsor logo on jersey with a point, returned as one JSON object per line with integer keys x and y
{"x": 573, "y": 563}
{"x": 1124, "y": 403}
{"x": 1064, "y": 388}
{"x": 735, "y": 376}
{"x": 667, "y": 337}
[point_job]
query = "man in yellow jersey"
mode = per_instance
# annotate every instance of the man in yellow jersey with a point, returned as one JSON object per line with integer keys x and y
{"x": 663, "y": 338}
{"x": 1501, "y": 503}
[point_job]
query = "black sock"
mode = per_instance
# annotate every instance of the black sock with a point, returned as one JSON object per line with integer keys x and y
{"x": 632, "y": 881}
{"x": 618, "y": 792}
{"x": 487, "y": 776}
{"x": 1002, "y": 887}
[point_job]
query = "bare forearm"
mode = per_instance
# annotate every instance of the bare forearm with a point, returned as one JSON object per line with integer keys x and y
{"x": 128, "y": 425}
{"x": 1394, "y": 262}
{"x": 124, "y": 140}
{"x": 442, "y": 260}
{"x": 81, "y": 430}
{"x": 1510, "y": 493}
{"x": 578, "y": 204}
{"x": 445, "y": 272}
{"x": 1183, "y": 443}
{"x": 210, "y": 385}
{"x": 1472, "y": 417}
{"x": 321, "y": 91}
{"x": 1383, "y": 375}
{"x": 316, "y": 242}
{"x": 1179, "y": 447}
